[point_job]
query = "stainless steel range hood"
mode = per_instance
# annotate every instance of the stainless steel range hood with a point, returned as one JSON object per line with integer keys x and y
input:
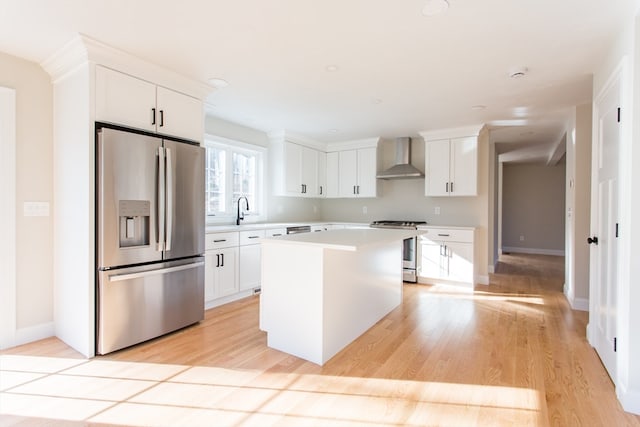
{"x": 403, "y": 168}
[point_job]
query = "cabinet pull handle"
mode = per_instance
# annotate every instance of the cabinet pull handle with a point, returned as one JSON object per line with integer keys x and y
{"x": 253, "y": 237}
{"x": 358, "y": 187}
{"x": 161, "y": 118}
{"x": 276, "y": 235}
{"x": 447, "y": 187}
{"x": 217, "y": 260}
{"x": 222, "y": 263}
{"x": 153, "y": 116}
{"x": 321, "y": 190}
{"x": 452, "y": 187}
{"x": 219, "y": 240}
{"x": 354, "y": 189}
{"x": 443, "y": 235}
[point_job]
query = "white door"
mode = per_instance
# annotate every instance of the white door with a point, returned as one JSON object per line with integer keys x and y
{"x": 333, "y": 171}
{"x": 250, "y": 268}
{"x": 603, "y": 274}
{"x": 309, "y": 171}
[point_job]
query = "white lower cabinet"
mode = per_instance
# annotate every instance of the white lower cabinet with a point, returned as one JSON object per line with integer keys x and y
{"x": 221, "y": 265}
{"x": 221, "y": 273}
{"x": 446, "y": 254}
{"x": 250, "y": 259}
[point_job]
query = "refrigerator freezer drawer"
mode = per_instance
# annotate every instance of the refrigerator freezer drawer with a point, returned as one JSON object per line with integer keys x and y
{"x": 140, "y": 303}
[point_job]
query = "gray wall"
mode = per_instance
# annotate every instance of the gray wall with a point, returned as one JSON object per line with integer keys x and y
{"x": 533, "y": 200}
{"x": 34, "y": 175}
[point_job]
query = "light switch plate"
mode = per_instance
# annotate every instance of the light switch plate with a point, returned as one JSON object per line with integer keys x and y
{"x": 36, "y": 209}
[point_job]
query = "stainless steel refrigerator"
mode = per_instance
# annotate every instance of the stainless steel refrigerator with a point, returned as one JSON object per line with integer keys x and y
{"x": 150, "y": 236}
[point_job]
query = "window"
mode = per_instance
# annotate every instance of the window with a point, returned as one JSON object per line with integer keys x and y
{"x": 233, "y": 170}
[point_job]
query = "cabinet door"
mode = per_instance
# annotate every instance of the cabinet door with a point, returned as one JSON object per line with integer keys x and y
{"x": 464, "y": 167}
{"x": 437, "y": 168}
{"x": 292, "y": 165}
{"x": 367, "y": 169}
{"x": 460, "y": 261}
{"x": 309, "y": 172}
{"x": 125, "y": 100}
{"x": 220, "y": 273}
{"x": 432, "y": 262}
{"x": 322, "y": 174}
{"x": 179, "y": 115}
{"x": 227, "y": 273}
{"x": 250, "y": 267}
{"x": 333, "y": 172}
{"x": 348, "y": 173}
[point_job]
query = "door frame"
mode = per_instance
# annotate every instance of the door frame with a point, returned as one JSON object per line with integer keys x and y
{"x": 7, "y": 217}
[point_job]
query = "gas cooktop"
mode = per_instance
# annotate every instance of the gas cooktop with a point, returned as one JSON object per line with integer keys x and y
{"x": 409, "y": 225}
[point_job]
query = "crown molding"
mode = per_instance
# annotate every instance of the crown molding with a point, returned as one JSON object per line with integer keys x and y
{"x": 82, "y": 50}
{"x": 459, "y": 132}
{"x": 353, "y": 145}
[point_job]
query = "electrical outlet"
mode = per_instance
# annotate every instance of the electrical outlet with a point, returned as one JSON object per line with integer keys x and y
{"x": 364, "y": 209}
{"x": 436, "y": 210}
{"x": 522, "y": 238}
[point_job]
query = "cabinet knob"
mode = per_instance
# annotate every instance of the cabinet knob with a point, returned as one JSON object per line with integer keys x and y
{"x": 593, "y": 240}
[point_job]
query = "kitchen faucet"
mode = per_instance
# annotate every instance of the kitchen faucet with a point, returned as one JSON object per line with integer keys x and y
{"x": 238, "y": 215}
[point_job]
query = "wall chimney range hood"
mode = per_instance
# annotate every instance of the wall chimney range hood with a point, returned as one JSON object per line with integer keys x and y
{"x": 403, "y": 168}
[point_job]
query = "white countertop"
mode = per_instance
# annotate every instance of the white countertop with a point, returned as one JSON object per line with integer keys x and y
{"x": 268, "y": 225}
{"x": 344, "y": 239}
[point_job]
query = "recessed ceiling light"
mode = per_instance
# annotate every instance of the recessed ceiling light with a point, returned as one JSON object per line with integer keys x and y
{"x": 518, "y": 72}
{"x": 218, "y": 83}
{"x": 376, "y": 101}
{"x": 435, "y": 7}
{"x": 478, "y": 107}
{"x": 331, "y": 68}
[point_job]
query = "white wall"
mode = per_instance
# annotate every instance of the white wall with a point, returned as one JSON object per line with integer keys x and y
{"x": 533, "y": 207}
{"x": 34, "y": 266}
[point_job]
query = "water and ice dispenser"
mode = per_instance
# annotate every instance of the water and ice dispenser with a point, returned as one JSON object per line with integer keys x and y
{"x": 134, "y": 222}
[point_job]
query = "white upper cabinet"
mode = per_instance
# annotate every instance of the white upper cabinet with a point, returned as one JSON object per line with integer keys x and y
{"x": 322, "y": 174}
{"x": 300, "y": 170}
{"x": 333, "y": 174}
{"x": 129, "y": 101}
{"x": 451, "y": 167}
{"x": 357, "y": 173}
{"x": 297, "y": 169}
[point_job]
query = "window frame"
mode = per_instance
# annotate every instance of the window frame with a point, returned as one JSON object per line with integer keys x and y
{"x": 257, "y": 212}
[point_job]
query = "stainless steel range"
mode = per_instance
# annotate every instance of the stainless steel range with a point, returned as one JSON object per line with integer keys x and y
{"x": 409, "y": 246}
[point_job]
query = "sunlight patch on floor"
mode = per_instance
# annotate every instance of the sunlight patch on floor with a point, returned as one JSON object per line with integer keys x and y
{"x": 136, "y": 394}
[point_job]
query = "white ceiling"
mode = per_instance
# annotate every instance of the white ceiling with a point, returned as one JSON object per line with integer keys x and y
{"x": 399, "y": 72}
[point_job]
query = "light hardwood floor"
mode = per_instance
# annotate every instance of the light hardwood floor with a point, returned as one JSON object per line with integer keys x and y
{"x": 511, "y": 353}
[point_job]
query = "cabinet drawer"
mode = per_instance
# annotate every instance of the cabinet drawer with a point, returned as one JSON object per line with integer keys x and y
{"x": 221, "y": 240}
{"x": 251, "y": 237}
{"x": 447, "y": 235}
{"x": 275, "y": 232}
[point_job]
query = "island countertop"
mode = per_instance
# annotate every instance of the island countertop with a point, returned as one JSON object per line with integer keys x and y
{"x": 346, "y": 239}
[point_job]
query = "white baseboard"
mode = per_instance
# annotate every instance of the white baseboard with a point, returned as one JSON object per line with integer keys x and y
{"x": 33, "y": 333}
{"x": 535, "y": 251}
{"x": 581, "y": 304}
{"x": 629, "y": 399}
{"x": 482, "y": 280}
{"x": 491, "y": 268}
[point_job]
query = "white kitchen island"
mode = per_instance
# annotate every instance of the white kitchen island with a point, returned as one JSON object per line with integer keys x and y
{"x": 320, "y": 291}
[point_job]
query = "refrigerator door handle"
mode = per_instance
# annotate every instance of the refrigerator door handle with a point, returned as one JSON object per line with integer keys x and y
{"x": 169, "y": 203}
{"x": 129, "y": 276}
{"x": 160, "y": 207}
